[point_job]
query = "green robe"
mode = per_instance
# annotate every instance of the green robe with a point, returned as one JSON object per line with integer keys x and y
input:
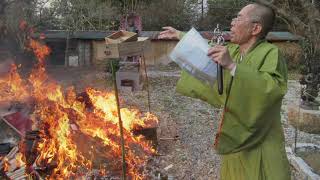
{"x": 251, "y": 141}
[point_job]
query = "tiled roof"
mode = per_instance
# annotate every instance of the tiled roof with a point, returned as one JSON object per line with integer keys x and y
{"x": 153, "y": 35}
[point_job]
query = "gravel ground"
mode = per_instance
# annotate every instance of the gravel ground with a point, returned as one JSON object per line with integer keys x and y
{"x": 195, "y": 123}
{"x": 191, "y": 124}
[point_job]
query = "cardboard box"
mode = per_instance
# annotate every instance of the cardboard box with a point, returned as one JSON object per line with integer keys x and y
{"x": 121, "y": 36}
{"x": 134, "y": 48}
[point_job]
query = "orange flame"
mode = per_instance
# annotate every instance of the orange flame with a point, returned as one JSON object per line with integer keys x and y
{"x": 65, "y": 122}
{"x": 20, "y": 160}
{"x": 5, "y": 165}
{"x": 12, "y": 86}
{"x": 41, "y": 51}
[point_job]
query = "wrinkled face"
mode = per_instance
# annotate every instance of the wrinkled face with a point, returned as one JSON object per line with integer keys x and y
{"x": 242, "y": 26}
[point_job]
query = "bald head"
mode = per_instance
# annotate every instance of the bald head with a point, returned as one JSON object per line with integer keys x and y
{"x": 263, "y": 15}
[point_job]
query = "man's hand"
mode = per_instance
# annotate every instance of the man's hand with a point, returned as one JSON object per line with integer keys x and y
{"x": 220, "y": 54}
{"x": 169, "y": 33}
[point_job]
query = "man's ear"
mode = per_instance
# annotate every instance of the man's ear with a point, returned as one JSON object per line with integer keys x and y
{"x": 257, "y": 29}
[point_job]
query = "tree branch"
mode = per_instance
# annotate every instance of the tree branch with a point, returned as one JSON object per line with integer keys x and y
{"x": 312, "y": 14}
{"x": 297, "y": 22}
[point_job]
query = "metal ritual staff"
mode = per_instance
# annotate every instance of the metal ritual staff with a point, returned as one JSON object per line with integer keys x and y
{"x": 219, "y": 40}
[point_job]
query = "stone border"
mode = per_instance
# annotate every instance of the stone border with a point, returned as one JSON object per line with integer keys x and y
{"x": 304, "y": 119}
{"x": 299, "y": 164}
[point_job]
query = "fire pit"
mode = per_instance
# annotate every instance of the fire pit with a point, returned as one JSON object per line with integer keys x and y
{"x": 72, "y": 135}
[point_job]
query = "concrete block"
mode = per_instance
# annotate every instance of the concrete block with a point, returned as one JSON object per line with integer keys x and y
{"x": 129, "y": 79}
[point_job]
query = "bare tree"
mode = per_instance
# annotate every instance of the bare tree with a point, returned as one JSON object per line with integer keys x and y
{"x": 3, "y": 26}
{"x": 303, "y": 18}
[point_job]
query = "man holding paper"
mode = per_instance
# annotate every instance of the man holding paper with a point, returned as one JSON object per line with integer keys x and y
{"x": 250, "y": 137}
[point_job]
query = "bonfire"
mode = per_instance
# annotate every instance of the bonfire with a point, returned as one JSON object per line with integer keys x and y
{"x": 77, "y": 133}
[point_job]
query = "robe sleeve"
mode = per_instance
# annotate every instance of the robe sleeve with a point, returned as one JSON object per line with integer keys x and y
{"x": 192, "y": 87}
{"x": 254, "y": 102}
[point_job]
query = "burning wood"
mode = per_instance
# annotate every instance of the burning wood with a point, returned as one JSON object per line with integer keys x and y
{"x": 12, "y": 153}
{"x": 75, "y": 134}
{"x": 19, "y": 173}
{"x": 13, "y": 164}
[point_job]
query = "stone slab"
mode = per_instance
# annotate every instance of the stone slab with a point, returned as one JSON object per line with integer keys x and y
{"x": 305, "y": 171}
{"x": 304, "y": 120}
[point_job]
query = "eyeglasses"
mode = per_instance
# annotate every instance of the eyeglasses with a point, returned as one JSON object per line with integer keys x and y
{"x": 240, "y": 18}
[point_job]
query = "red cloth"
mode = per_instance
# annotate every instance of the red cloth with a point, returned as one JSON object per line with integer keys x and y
{"x": 137, "y": 22}
{"x": 20, "y": 123}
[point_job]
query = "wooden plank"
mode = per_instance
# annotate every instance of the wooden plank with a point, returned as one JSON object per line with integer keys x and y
{"x": 121, "y": 36}
{"x": 124, "y": 49}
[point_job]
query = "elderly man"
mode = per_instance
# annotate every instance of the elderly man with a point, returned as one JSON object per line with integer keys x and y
{"x": 250, "y": 137}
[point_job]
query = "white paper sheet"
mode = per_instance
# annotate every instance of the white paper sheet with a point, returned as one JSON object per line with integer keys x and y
{"x": 191, "y": 55}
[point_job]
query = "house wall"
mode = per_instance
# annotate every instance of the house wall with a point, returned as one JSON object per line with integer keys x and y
{"x": 84, "y": 52}
{"x": 79, "y": 52}
{"x": 98, "y": 48}
{"x": 57, "y": 55}
{"x": 92, "y": 52}
{"x": 157, "y": 54}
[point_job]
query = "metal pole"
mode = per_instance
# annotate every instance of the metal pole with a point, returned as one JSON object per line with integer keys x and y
{"x": 297, "y": 126}
{"x": 295, "y": 139}
{"x": 120, "y": 121}
{"x": 147, "y": 80}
